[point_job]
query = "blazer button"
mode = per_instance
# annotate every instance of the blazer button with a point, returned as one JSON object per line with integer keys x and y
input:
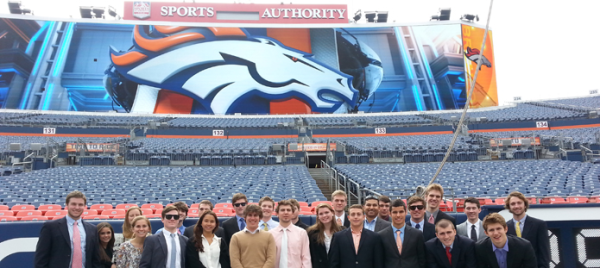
{"x": 357, "y": 263}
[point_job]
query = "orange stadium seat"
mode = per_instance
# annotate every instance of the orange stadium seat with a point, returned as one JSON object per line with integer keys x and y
{"x": 499, "y": 201}
{"x": 594, "y": 199}
{"x": 195, "y": 205}
{"x": 316, "y": 203}
{"x": 24, "y": 213}
{"x": 193, "y": 213}
{"x": 45, "y": 208}
{"x": 532, "y": 200}
{"x": 6, "y": 213}
{"x": 153, "y": 206}
{"x": 101, "y": 207}
{"x": 90, "y": 212}
{"x": 34, "y": 218}
{"x": 147, "y": 211}
{"x": 553, "y": 200}
{"x": 125, "y": 206}
{"x": 96, "y": 217}
{"x": 7, "y": 218}
{"x": 306, "y": 209}
{"x": 303, "y": 204}
{"x": 485, "y": 201}
{"x": 118, "y": 216}
{"x": 577, "y": 200}
{"x": 223, "y": 210}
{"x": 4, "y": 207}
{"x": 52, "y": 214}
{"x": 223, "y": 205}
{"x": 18, "y": 208}
{"x": 113, "y": 212}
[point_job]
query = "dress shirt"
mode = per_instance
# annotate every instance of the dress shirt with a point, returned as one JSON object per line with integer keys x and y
{"x": 252, "y": 232}
{"x": 327, "y": 241}
{"x": 401, "y": 232}
{"x": 298, "y": 246}
{"x": 210, "y": 257}
{"x": 370, "y": 225}
{"x": 237, "y": 218}
{"x": 167, "y": 235}
{"x": 82, "y": 235}
{"x": 522, "y": 223}
{"x": 421, "y": 224}
{"x": 428, "y": 214}
{"x": 469, "y": 228}
{"x": 501, "y": 254}
{"x": 342, "y": 218}
{"x": 180, "y": 229}
{"x": 271, "y": 224}
{"x": 356, "y": 238}
{"x": 451, "y": 245}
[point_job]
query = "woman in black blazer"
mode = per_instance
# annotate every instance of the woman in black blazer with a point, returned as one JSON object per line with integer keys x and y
{"x": 205, "y": 249}
{"x": 106, "y": 238}
{"x": 320, "y": 234}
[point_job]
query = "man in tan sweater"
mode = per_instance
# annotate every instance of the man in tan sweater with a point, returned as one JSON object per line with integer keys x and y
{"x": 251, "y": 247}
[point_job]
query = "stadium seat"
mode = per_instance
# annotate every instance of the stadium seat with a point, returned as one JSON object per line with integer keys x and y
{"x": 18, "y": 208}
{"x": 24, "y": 213}
{"x": 4, "y": 207}
{"x": 52, "y": 214}
{"x": 223, "y": 205}
{"x": 147, "y": 211}
{"x": 499, "y": 201}
{"x": 153, "y": 206}
{"x": 96, "y": 217}
{"x": 34, "y": 218}
{"x": 306, "y": 209}
{"x": 485, "y": 201}
{"x": 113, "y": 212}
{"x": 577, "y": 200}
{"x": 316, "y": 203}
{"x": 101, "y": 207}
{"x": 125, "y": 206}
{"x": 7, "y": 218}
{"x": 594, "y": 199}
{"x": 44, "y": 208}
{"x": 90, "y": 212}
{"x": 6, "y": 213}
{"x": 553, "y": 200}
{"x": 193, "y": 213}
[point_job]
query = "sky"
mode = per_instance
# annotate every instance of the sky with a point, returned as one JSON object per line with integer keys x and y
{"x": 543, "y": 49}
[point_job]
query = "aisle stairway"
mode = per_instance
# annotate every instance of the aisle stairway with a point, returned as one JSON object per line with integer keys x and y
{"x": 320, "y": 176}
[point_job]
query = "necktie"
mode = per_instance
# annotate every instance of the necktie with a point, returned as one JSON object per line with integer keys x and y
{"x": 77, "y": 256}
{"x": 173, "y": 252}
{"x": 399, "y": 241}
{"x": 265, "y": 227}
{"x": 283, "y": 257}
{"x": 418, "y": 226}
{"x": 473, "y": 233}
{"x": 242, "y": 224}
{"x": 431, "y": 219}
{"x": 449, "y": 254}
{"x": 518, "y": 229}
{"x": 339, "y": 221}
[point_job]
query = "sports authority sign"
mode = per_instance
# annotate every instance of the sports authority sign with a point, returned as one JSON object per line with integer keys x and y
{"x": 235, "y": 13}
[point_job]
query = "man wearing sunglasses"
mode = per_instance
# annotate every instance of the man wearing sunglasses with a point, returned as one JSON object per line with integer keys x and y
{"x": 416, "y": 208}
{"x": 167, "y": 248}
{"x": 236, "y": 223}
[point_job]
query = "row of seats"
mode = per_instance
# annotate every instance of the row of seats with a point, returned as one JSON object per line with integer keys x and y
{"x": 589, "y": 103}
{"x": 350, "y": 121}
{"x": 520, "y": 112}
{"x": 217, "y": 122}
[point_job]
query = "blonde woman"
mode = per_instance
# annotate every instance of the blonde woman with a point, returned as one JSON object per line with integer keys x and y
{"x": 127, "y": 234}
{"x": 130, "y": 252}
{"x": 320, "y": 234}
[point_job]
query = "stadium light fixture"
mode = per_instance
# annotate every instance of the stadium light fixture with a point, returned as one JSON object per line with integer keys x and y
{"x": 370, "y": 16}
{"x": 112, "y": 11}
{"x": 86, "y": 12}
{"x": 469, "y": 17}
{"x": 357, "y": 15}
{"x": 382, "y": 16}
{"x": 15, "y": 8}
{"x": 98, "y": 12}
{"x": 443, "y": 15}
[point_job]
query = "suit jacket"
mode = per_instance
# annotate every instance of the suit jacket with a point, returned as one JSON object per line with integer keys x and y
{"x": 54, "y": 245}
{"x": 463, "y": 253}
{"x": 520, "y": 254}
{"x": 230, "y": 227}
{"x": 381, "y": 224}
{"x": 413, "y": 249}
{"x": 342, "y": 253}
{"x": 301, "y": 224}
{"x": 536, "y": 232}
{"x": 461, "y": 229}
{"x": 155, "y": 251}
{"x": 192, "y": 259}
{"x": 189, "y": 232}
{"x": 428, "y": 230}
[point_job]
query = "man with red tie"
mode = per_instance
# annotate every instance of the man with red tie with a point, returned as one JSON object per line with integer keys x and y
{"x": 449, "y": 250}
{"x": 403, "y": 245}
{"x": 69, "y": 241}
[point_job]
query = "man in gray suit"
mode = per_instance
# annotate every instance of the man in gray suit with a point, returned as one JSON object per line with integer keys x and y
{"x": 165, "y": 249}
{"x": 472, "y": 228}
{"x": 402, "y": 243}
{"x": 372, "y": 221}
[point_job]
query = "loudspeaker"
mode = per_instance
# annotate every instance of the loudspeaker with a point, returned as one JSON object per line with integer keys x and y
{"x": 35, "y": 146}
{"x": 277, "y": 147}
{"x": 293, "y": 146}
{"x": 15, "y": 147}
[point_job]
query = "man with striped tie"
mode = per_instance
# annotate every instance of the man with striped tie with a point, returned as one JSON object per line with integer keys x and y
{"x": 527, "y": 227}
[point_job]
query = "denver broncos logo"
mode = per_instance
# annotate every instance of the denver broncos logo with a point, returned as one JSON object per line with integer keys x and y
{"x": 473, "y": 55}
{"x": 222, "y": 67}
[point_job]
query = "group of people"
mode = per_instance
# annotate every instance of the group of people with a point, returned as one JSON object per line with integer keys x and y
{"x": 371, "y": 236}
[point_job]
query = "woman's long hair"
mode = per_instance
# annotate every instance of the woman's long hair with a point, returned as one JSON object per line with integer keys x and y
{"x": 198, "y": 230}
{"x": 127, "y": 232}
{"x": 111, "y": 243}
{"x": 319, "y": 227}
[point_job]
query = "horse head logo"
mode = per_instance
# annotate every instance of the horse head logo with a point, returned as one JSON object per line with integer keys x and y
{"x": 220, "y": 67}
{"x": 473, "y": 55}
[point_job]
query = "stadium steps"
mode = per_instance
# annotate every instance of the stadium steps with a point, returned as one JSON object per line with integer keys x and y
{"x": 320, "y": 176}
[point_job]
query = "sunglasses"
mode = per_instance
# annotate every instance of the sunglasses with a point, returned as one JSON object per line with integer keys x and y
{"x": 172, "y": 217}
{"x": 240, "y": 204}
{"x": 419, "y": 207}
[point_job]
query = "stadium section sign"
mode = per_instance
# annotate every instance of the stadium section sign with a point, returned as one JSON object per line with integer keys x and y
{"x": 245, "y": 13}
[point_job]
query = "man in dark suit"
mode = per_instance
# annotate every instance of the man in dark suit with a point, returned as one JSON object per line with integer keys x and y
{"x": 449, "y": 250}
{"x": 356, "y": 246}
{"x": 501, "y": 251}
{"x": 235, "y": 223}
{"x": 69, "y": 241}
{"x": 296, "y": 220}
{"x": 204, "y": 205}
{"x": 340, "y": 199}
{"x": 472, "y": 228}
{"x": 532, "y": 229}
{"x": 384, "y": 208}
{"x": 403, "y": 246}
{"x": 167, "y": 248}
{"x": 372, "y": 221}
{"x": 416, "y": 208}
{"x": 434, "y": 195}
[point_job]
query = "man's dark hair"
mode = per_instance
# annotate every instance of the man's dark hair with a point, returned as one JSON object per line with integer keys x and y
{"x": 398, "y": 203}
{"x": 473, "y": 200}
